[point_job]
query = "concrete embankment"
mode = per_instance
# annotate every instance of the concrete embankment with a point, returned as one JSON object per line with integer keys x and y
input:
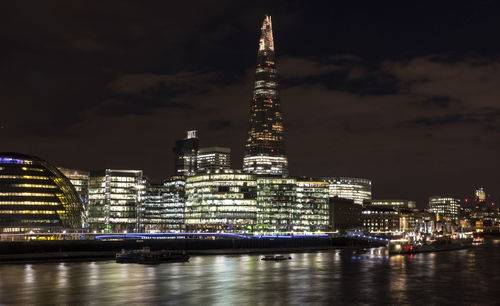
{"x": 41, "y": 251}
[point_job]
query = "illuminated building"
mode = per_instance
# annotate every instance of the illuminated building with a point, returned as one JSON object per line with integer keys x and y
{"x": 162, "y": 209}
{"x": 213, "y": 158}
{"x": 445, "y": 208}
{"x": 80, "y": 180}
{"x": 185, "y": 152}
{"x": 175, "y": 198}
{"x": 480, "y": 195}
{"x": 221, "y": 201}
{"x": 36, "y": 196}
{"x": 344, "y": 214}
{"x": 264, "y": 148}
{"x": 115, "y": 197}
{"x": 276, "y": 200}
{"x": 380, "y": 219}
{"x": 357, "y": 189}
{"x": 311, "y": 212}
{"x": 392, "y": 203}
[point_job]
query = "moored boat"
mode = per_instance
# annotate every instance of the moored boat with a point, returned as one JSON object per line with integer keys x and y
{"x": 438, "y": 244}
{"x": 146, "y": 256}
{"x": 275, "y": 258}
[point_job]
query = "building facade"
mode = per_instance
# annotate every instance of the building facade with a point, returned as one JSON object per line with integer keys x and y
{"x": 36, "y": 196}
{"x": 80, "y": 180}
{"x": 311, "y": 212}
{"x": 392, "y": 203}
{"x": 344, "y": 214}
{"x": 115, "y": 197}
{"x": 276, "y": 201}
{"x": 265, "y": 147}
{"x": 357, "y": 189}
{"x": 380, "y": 219}
{"x": 175, "y": 198}
{"x": 185, "y": 154}
{"x": 445, "y": 208}
{"x": 213, "y": 158}
{"x": 224, "y": 201}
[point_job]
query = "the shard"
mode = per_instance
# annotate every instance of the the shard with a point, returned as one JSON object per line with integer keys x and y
{"x": 265, "y": 149}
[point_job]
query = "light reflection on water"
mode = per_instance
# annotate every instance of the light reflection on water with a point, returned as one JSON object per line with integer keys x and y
{"x": 339, "y": 276}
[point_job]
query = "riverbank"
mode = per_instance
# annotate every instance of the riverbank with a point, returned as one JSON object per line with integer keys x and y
{"x": 81, "y": 250}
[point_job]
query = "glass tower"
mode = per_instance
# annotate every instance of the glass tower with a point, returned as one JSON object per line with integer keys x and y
{"x": 265, "y": 149}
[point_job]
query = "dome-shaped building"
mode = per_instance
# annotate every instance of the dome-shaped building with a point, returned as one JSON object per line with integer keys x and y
{"x": 36, "y": 196}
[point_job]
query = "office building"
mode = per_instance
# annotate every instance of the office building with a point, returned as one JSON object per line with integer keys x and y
{"x": 392, "y": 203}
{"x": 344, "y": 214}
{"x": 224, "y": 201}
{"x": 36, "y": 196}
{"x": 213, "y": 158}
{"x": 445, "y": 208}
{"x": 115, "y": 197}
{"x": 265, "y": 146}
{"x": 175, "y": 198}
{"x": 80, "y": 180}
{"x": 311, "y": 212}
{"x": 185, "y": 153}
{"x": 357, "y": 189}
{"x": 276, "y": 201}
{"x": 380, "y": 219}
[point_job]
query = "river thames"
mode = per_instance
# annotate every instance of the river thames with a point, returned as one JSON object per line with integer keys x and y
{"x": 470, "y": 276}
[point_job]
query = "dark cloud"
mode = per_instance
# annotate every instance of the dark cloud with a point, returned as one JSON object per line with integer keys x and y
{"x": 371, "y": 91}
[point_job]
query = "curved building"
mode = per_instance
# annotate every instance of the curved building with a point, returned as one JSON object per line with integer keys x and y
{"x": 36, "y": 196}
{"x": 352, "y": 188}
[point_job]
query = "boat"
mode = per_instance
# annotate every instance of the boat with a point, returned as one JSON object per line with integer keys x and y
{"x": 275, "y": 258}
{"x": 445, "y": 243}
{"x": 478, "y": 240}
{"x": 146, "y": 256}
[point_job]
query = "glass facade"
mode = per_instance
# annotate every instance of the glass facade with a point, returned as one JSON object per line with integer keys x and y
{"x": 185, "y": 152}
{"x": 213, "y": 158}
{"x": 311, "y": 213}
{"x": 445, "y": 208}
{"x": 115, "y": 197}
{"x": 36, "y": 196}
{"x": 162, "y": 210}
{"x": 276, "y": 199}
{"x": 265, "y": 147}
{"x": 80, "y": 180}
{"x": 223, "y": 201}
{"x": 357, "y": 189}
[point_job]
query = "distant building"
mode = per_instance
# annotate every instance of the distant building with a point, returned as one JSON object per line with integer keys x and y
{"x": 115, "y": 197}
{"x": 344, "y": 214}
{"x": 36, "y": 196}
{"x": 445, "y": 208}
{"x": 224, "y": 201}
{"x": 80, "y": 180}
{"x": 185, "y": 153}
{"x": 265, "y": 146}
{"x": 380, "y": 219}
{"x": 480, "y": 195}
{"x": 213, "y": 158}
{"x": 276, "y": 199}
{"x": 392, "y": 203}
{"x": 357, "y": 189}
{"x": 311, "y": 212}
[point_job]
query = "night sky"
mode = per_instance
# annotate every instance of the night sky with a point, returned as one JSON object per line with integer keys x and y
{"x": 404, "y": 94}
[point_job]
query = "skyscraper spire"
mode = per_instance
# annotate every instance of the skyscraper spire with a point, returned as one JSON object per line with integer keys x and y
{"x": 265, "y": 149}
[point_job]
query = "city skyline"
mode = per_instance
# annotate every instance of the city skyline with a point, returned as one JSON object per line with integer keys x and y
{"x": 419, "y": 121}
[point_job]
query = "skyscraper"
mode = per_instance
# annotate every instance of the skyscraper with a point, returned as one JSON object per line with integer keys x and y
{"x": 265, "y": 149}
{"x": 185, "y": 152}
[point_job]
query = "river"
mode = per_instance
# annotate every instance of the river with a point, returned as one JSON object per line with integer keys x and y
{"x": 470, "y": 276}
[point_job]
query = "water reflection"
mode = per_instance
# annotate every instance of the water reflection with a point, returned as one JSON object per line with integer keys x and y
{"x": 339, "y": 276}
